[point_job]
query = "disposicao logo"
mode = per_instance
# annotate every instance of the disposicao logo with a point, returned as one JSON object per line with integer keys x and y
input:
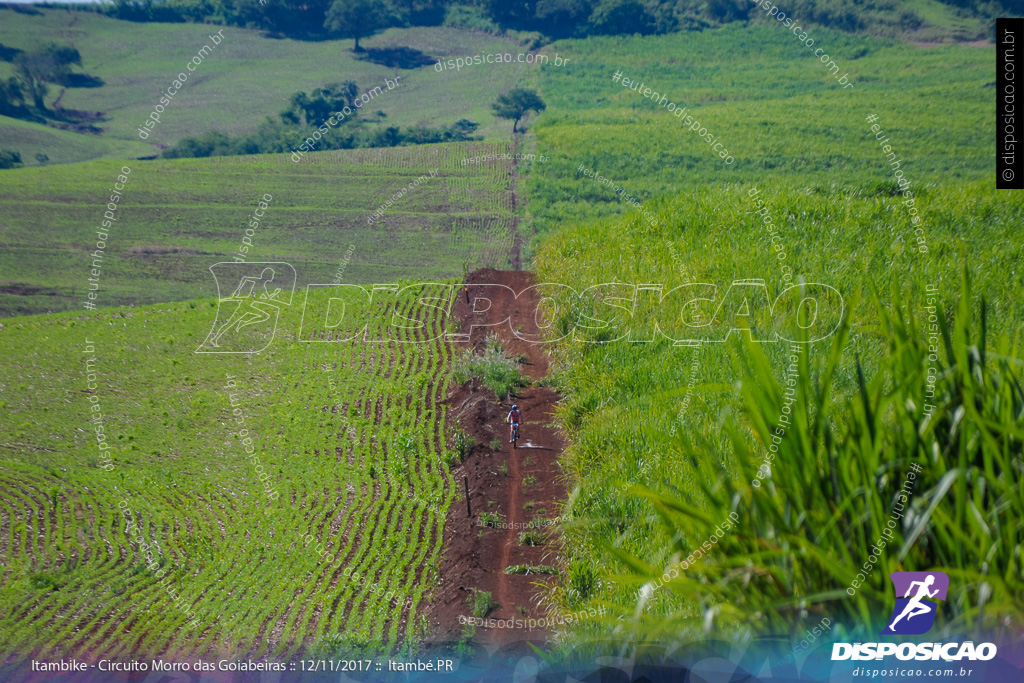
{"x": 916, "y": 615}
{"x": 913, "y": 615}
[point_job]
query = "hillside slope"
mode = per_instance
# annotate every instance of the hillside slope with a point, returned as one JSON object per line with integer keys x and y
{"x": 766, "y": 98}
{"x": 245, "y": 79}
{"x": 176, "y": 218}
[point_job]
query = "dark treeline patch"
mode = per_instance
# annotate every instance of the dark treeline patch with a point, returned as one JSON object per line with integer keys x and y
{"x": 23, "y": 95}
{"x": 308, "y": 113}
{"x": 321, "y": 19}
{"x": 396, "y": 57}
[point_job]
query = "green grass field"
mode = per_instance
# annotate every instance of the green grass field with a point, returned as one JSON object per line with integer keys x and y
{"x": 692, "y": 423}
{"x": 775, "y": 107}
{"x": 352, "y": 439}
{"x": 632, "y": 409}
{"x": 240, "y": 83}
{"x": 176, "y": 218}
{"x": 689, "y": 423}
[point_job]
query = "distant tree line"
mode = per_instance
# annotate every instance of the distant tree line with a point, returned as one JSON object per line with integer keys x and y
{"x": 306, "y": 114}
{"x": 294, "y": 18}
{"x": 358, "y": 19}
{"x": 579, "y": 18}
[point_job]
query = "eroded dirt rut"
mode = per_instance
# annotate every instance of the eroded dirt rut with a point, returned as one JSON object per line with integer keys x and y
{"x": 475, "y": 557}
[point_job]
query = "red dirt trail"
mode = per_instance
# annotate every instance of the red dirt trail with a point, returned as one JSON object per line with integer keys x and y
{"x": 477, "y": 561}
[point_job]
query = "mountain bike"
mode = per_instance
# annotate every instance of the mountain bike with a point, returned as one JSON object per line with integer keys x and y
{"x": 515, "y": 433}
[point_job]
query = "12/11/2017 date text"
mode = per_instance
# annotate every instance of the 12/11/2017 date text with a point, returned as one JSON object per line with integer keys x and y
{"x": 343, "y": 665}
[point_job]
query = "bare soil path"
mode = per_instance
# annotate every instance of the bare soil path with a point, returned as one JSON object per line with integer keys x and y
{"x": 475, "y": 557}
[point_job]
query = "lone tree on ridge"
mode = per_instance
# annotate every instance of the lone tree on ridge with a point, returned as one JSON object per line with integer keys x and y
{"x": 515, "y": 103}
{"x": 357, "y": 18}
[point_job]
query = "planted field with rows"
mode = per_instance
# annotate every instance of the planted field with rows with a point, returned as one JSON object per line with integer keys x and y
{"x": 352, "y": 465}
{"x": 176, "y": 218}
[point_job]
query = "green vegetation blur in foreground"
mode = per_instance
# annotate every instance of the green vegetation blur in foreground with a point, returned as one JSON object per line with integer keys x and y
{"x": 710, "y": 531}
{"x": 669, "y": 441}
{"x": 338, "y": 548}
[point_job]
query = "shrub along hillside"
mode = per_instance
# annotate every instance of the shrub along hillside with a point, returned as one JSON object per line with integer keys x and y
{"x": 916, "y": 19}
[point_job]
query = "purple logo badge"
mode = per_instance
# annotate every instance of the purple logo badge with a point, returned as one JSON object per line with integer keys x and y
{"x": 914, "y": 613}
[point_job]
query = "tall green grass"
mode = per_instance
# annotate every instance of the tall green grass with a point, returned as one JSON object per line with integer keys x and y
{"x": 666, "y": 440}
{"x": 766, "y": 96}
{"x": 805, "y": 529}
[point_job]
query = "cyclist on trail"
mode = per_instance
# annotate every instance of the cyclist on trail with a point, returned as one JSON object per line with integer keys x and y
{"x": 513, "y": 419}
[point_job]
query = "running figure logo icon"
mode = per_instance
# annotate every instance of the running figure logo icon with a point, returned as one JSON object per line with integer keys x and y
{"x": 252, "y": 308}
{"x": 914, "y": 613}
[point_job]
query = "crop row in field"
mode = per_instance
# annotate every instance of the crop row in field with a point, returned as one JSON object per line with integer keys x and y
{"x": 350, "y": 440}
{"x": 175, "y": 219}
